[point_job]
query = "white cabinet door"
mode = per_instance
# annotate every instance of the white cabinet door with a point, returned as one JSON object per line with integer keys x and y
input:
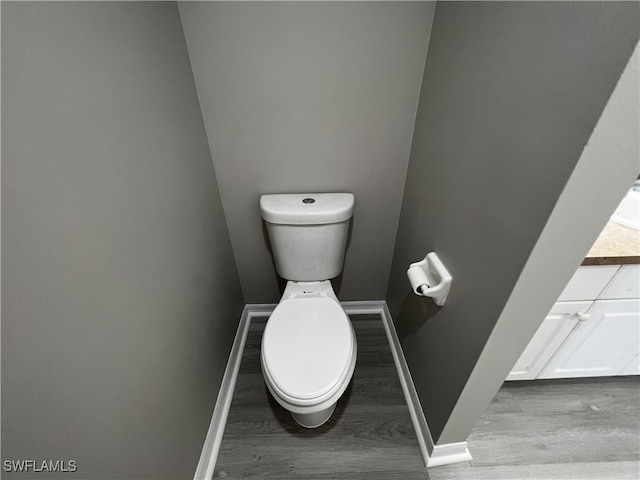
{"x": 554, "y": 330}
{"x": 588, "y": 282}
{"x": 625, "y": 284}
{"x": 633, "y": 367}
{"x": 603, "y": 345}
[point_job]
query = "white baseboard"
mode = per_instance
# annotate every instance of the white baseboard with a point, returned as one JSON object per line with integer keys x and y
{"x": 449, "y": 453}
{"x": 363, "y": 307}
{"x": 433, "y": 455}
{"x": 211, "y": 447}
{"x": 425, "y": 441}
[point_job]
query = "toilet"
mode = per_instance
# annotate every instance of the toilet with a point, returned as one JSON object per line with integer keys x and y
{"x": 309, "y": 347}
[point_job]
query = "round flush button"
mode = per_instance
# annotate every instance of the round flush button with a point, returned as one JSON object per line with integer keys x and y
{"x": 309, "y": 200}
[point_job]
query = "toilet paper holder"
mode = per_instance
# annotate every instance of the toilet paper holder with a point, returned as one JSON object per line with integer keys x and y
{"x": 430, "y": 278}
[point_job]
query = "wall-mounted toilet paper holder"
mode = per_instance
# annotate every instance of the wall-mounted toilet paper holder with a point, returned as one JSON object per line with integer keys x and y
{"x": 430, "y": 278}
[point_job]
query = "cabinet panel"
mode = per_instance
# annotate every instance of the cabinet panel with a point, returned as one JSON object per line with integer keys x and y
{"x": 633, "y": 367}
{"x": 625, "y": 284}
{"x": 603, "y": 345}
{"x": 588, "y": 282}
{"x": 555, "y": 328}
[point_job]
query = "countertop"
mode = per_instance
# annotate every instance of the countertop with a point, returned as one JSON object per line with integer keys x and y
{"x": 616, "y": 245}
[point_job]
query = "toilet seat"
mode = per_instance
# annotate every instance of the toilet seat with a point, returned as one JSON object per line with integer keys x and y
{"x": 308, "y": 350}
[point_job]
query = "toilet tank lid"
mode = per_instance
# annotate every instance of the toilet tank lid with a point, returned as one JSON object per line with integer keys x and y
{"x": 307, "y": 208}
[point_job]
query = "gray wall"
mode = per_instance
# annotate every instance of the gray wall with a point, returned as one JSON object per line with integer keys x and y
{"x": 576, "y": 221}
{"x": 510, "y": 94}
{"x": 310, "y": 97}
{"x": 120, "y": 298}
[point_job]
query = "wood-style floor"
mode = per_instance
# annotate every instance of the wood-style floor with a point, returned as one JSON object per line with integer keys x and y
{"x": 369, "y": 436}
{"x": 579, "y": 429}
{"x": 587, "y": 429}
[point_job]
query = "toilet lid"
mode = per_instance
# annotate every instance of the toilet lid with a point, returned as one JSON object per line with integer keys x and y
{"x": 307, "y": 346}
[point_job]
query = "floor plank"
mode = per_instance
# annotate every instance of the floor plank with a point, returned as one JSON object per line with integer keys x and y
{"x": 556, "y": 471}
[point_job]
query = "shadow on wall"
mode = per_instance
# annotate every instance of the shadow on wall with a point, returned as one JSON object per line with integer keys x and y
{"x": 282, "y": 283}
{"x": 415, "y": 312}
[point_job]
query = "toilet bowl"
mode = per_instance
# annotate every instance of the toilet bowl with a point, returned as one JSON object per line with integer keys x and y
{"x": 308, "y": 352}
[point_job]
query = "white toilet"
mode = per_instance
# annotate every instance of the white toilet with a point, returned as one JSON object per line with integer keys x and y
{"x": 308, "y": 345}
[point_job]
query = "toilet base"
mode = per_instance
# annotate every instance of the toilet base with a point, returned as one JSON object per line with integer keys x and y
{"x": 313, "y": 420}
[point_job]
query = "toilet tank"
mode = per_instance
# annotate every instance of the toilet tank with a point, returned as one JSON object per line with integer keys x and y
{"x": 308, "y": 233}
